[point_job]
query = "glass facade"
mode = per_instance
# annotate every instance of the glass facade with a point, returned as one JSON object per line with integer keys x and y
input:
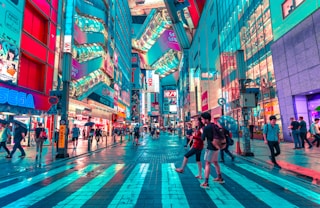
{"x": 246, "y": 25}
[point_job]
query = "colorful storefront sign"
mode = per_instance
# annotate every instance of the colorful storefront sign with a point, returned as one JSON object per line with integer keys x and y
{"x": 20, "y": 100}
{"x": 10, "y": 36}
{"x": 135, "y": 105}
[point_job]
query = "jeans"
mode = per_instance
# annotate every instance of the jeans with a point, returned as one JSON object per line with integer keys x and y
{"x": 274, "y": 145}
{"x": 316, "y": 139}
{"x": 226, "y": 150}
{"x": 4, "y": 145}
{"x": 17, "y": 145}
{"x": 303, "y": 136}
{"x": 296, "y": 139}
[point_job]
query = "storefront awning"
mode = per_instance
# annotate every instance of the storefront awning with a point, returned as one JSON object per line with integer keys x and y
{"x": 19, "y": 110}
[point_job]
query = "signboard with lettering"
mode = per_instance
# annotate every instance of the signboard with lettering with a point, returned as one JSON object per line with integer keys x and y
{"x": 204, "y": 101}
{"x": 170, "y": 93}
{"x": 16, "y": 96}
{"x": 62, "y": 133}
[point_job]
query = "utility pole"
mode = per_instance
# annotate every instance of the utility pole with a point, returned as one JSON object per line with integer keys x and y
{"x": 247, "y": 101}
{"x": 67, "y": 30}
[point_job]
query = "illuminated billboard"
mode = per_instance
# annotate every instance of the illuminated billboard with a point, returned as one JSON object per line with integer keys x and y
{"x": 10, "y": 35}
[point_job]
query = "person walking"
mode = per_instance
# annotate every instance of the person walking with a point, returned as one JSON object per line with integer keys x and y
{"x": 314, "y": 130}
{"x": 271, "y": 137}
{"x": 39, "y": 140}
{"x": 212, "y": 152}
{"x": 4, "y": 135}
{"x": 226, "y": 149}
{"x": 189, "y": 133}
{"x": 303, "y": 132}
{"x": 195, "y": 149}
{"x": 19, "y": 134}
{"x": 294, "y": 126}
{"x": 136, "y": 134}
{"x": 75, "y": 135}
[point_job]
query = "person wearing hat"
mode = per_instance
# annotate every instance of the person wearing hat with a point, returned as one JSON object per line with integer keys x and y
{"x": 271, "y": 137}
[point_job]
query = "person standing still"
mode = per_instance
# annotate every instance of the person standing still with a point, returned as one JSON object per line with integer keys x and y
{"x": 303, "y": 132}
{"x": 4, "y": 135}
{"x": 294, "y": 126}
{"x": 271, "y": 137}
{"x": 19, "y": 134}
{"x": 39, "y": 140}
{"x": 75, "y": 135}
{"x": 212, "y": 152}
{"x": 189, "y": 133}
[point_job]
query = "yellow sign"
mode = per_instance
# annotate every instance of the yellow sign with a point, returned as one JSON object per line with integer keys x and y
{"x": 62, "y": 133}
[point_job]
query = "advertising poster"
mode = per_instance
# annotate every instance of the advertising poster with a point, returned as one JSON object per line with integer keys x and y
{"x": 10, "y": 35}
{"x": 135, "y": 105}
{"x": 153, "y": 81}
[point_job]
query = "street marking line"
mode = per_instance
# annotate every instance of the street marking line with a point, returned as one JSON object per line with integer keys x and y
{"x": 33, "y": 180}
{"x": 44, "y": 192}
{"x": 257, "y": 190}
{"x": 172, "y": 193}
{"x": 129, "y": 192}
{"x": 81, "y": 196}
{"x": 218, "y": 194}
{"x": 299, "y": 190}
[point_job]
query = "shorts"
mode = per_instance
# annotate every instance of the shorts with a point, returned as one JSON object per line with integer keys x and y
{"x": 211, "y": 155}
{"x": 136, "y": 135}
{"x": 193, "y": 151}
{"x": 74, "y": 138}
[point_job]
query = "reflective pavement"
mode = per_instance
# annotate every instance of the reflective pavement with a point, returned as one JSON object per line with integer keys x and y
{"x": 126, "y": 175}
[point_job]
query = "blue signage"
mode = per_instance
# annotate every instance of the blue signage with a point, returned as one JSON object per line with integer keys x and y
{"x": 16, "y": 98}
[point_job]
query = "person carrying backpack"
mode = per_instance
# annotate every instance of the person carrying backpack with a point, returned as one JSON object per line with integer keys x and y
{"x": 226, "y": 149}
{"x": 215, "y": 139}
{"x": 41, "y": 136}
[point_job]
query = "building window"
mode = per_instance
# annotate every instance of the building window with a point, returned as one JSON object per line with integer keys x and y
{"x": 35, "y": 23}
{"x": 214, "y": 45}
{"x": 31, "y": 74}
{"x": 289, "y": 6}
{"x": 213, "y": 25}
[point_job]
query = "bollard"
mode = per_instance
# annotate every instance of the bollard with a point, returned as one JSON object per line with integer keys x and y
{"x": 89, "y": 144}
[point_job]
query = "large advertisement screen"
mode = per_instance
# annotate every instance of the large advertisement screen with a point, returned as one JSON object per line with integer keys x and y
{"x": 10, "y": 35}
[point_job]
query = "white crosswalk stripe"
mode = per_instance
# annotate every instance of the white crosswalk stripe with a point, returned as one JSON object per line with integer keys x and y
{"x": 80, "y": 197}
{"x": 33, "y": 180}
{"x": 173, "y": 190}
{"x": 259, "y": 191}
{"x": 128, "y": 195}
{"x": 42, "y": 193}
{"x": 171, "y": 186}
{"x": 299, "y": 190}
{"x": 218, "y": 194}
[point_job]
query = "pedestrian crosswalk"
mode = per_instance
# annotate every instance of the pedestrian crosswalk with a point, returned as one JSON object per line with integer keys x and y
{"x": 127, "y": 185}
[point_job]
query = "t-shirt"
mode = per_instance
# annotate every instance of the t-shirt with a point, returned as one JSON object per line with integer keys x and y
{"x": 4, "y": 133}
{"x": 303, "y": 126}
{"x": 295, "y": 125}
{"x": 208, "y": 133}
{"x": 38, "y": 131}
{"x": 136, "y": 130}
{"x": 189, "y": 132}
{"x": 18, "y": 134}
{"x": 75, "y": 132}
{"x": 271, "y": 132}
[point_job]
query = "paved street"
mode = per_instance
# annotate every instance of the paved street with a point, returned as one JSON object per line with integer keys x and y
{"x": 125, "y": 175}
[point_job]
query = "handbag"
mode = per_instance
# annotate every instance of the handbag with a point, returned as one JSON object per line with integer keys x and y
{"x": 43, "y": 134}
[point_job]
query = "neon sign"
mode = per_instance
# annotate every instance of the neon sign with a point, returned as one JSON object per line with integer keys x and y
{"x": 16, "y": 98}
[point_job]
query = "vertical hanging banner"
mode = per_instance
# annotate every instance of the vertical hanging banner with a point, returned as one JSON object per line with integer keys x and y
{"x": 10, "y": 36}
{"x": 135, "y": 105}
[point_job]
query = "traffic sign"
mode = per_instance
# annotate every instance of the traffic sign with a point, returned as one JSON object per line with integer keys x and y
{"x": 53, "y": 110}
{"x": 63, "y": 122}
{"x": 53, "y": 100}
